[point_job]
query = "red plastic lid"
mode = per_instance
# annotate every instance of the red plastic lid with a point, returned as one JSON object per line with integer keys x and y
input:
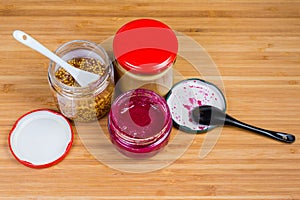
{"x": 145, "y": 46}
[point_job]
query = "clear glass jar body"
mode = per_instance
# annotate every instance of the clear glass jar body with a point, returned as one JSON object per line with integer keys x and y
{"x": 83, "y": 103}
{"x": 139, "y": 123}
{"x": 159, "y": 83}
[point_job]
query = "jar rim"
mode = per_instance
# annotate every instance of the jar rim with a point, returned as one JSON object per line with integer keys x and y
{"x": 123, "y": 98}
{"x": 82, "y": 44}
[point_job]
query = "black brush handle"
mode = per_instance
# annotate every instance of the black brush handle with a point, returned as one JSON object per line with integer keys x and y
{"x": 283, "y": 137}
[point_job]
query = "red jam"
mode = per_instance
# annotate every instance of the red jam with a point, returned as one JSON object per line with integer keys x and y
{"x": 139, "y": 123}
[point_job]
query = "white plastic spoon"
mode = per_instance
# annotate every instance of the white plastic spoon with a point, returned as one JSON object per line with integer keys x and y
{"x": 83, "y": 78}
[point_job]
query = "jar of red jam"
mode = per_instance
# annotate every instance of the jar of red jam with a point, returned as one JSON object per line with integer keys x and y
{"x": 139, "y": 123}
{"x": 145, "y": 51}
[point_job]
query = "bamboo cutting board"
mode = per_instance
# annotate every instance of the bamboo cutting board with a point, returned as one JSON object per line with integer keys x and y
{"x": 256, "y": 46}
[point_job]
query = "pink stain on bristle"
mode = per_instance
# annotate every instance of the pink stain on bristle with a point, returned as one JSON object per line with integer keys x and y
{"x": 190, "y": 116}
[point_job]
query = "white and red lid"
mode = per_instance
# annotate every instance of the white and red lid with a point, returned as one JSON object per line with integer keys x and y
{"x": 145, "y": 46}
{"x": 188, "y": 94}
{"x": 41, "y": 138}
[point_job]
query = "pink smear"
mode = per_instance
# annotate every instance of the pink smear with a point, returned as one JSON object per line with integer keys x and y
{"x": 192, "y": 100}
{"x": 187, "y": 107}
{"x": 199, "y": 103}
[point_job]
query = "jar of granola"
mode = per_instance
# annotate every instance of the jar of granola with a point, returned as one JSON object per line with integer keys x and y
{"x": 82, "y": 103}
{"x": 145, "y": 51}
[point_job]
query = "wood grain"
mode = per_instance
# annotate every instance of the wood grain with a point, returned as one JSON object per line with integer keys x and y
{"x": 256, "y": 46}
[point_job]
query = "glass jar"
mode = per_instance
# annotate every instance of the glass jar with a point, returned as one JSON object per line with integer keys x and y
{"x": 82, "y": 103}
{"x": 139, "y": 123}
{"x": 145, "y": 51}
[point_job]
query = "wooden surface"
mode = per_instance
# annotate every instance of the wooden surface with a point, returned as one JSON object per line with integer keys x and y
{"x": 256, "y": 46}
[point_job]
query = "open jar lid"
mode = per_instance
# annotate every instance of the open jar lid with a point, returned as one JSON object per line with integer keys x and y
{"x": 145, "y": 46}
{"x": 188, "y": 94}
{"x": 40, "y": 138}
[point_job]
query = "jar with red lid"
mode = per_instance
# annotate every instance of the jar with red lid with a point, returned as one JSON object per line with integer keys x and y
{"x": 145, "y": 51}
